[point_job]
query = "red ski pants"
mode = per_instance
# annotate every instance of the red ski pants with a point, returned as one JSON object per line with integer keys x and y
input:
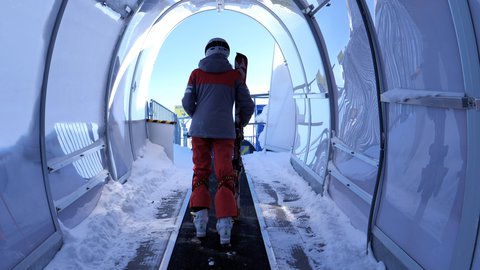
{"x": 225, "y": 205}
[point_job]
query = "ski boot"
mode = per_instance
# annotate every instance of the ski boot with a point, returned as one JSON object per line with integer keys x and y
{"x": 200, "y": 220}
{"x": 224, "y": 229}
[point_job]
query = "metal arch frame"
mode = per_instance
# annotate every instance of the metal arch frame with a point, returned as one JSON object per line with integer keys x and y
{"x": 287, "y": 31}
{"x": 329, "y": 76}
{"x": 270, "y": 252}
{"x": 379, "y": 78}
{"x": 111, "y": 77}
{"x": 133, "y": 88}
{"x": 50, "y": 245}
{"x": 465, "y": 245}
{"x": 330, "y": 81}
{"x": 376, "y": 56}
{"x": 43, "y": 100}
{"x": 271, "y": 257}
{"x": 373, "y": 231}
{"x": 134, "y": 83}
{"x": 57, "y": 163}
{"x": 266, "y": 8}
{"x": 380, "y": 83}
{"x": 108, "y": 88}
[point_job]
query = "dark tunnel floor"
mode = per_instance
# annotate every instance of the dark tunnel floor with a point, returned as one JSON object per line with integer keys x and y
{"x": 247, "y": 250}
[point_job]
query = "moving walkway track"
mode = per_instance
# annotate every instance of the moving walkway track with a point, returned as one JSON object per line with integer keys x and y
{"x": 250, "y": 247}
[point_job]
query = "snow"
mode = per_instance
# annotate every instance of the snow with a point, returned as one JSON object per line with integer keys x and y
{"x": 108, "y": 238}
{"x": 126, "y": 213}
{"x": 262, "y": 118}
{"x": 325, "y": 233}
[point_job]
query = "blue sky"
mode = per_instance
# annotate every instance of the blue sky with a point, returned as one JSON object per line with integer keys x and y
{"x": 185, "y": 45}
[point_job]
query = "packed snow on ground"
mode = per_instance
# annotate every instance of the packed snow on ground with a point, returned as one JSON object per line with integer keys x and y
{"x": 108, "y": 238}
{"x": 310, "y": 222}
{"x": 125, "y": 213}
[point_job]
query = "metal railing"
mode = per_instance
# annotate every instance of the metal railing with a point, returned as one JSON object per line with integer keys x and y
{"x": 158, "y": 112}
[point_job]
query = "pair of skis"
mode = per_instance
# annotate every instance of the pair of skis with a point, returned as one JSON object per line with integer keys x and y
{"x": 241, "y": 63}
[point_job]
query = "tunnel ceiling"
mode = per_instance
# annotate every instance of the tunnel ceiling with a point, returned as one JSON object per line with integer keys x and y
{"x": 153, "y": 22}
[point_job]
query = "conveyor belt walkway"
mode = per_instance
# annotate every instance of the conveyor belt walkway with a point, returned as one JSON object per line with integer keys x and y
{"x": 145, "y": 224}
{"x": 247, "y": 250}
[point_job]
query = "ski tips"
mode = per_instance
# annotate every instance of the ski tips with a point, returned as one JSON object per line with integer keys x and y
{"x": 241, "y": 63}
{"x": 240, "y": 55}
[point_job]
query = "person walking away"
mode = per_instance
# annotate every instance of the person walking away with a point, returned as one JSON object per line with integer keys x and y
{"x": 213, "y": 89}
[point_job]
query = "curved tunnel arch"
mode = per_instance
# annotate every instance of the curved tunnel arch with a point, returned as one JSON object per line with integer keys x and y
{"x": 154, "y": 31}
{"x": 169, "y": 18}
{"x": 98, "y": 64}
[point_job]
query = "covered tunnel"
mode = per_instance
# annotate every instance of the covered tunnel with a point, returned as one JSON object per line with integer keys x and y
{"x": 383, "y": 108}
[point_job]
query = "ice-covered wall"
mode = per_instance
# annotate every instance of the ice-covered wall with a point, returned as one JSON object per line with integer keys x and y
{"x": 27, "y": 217}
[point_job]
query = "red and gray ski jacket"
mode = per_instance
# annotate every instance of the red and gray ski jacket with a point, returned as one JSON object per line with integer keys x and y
{"x": 212, "y": 90}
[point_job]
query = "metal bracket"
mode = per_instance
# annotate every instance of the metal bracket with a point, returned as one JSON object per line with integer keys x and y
{"x": 337, "y": 143}
{"x": 446, "y": 100}
{"x": 60, "y": 162}
{"x": 472, "y": 103}
{"x": 128, "y": 10}
{"x": 311, "y": 10}
{"x": 360, "y": 192}
{"x": 125, "y": 11}
{"x": 308, "y": 9}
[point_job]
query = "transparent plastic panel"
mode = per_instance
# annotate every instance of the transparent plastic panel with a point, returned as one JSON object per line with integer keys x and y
{"x": 281, "y": 107}
{"x": 371, "y": 8}
{"x": 76, "y": 212}
{"x": 424, "y": 181}
{"x": 68, "y": 179}
{"x": 118, "y": 127}
{"x": 148, "y": 54}
{"x": 334, "y": 24}
{"x": 133, "y": 40}
{"x": 320, "y": 112}
{"x": 132, "y": 72}
{"x": 75, "y": 105}
{"x": 133, "y": 44}
{"x": 319, "y": 136}
{"x": 293, "y": 21}
{"x": 25, "y": 217}
{"x": 418, "y": 54}
{"x": 76, "y": 87}
{"x": 350, "y": 55}
{"x": 300, "y": 146}
{"x": 304, "y": 43}
{"x": 355, "y": 208}
{"x": 138, "y": 95}
{"x": 355, "y": 94}
{"x": 318, "y": 85}
{"x": 362, "y": 174}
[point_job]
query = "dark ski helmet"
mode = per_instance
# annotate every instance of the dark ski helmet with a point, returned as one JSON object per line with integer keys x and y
{"x": 217, "y": 45}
